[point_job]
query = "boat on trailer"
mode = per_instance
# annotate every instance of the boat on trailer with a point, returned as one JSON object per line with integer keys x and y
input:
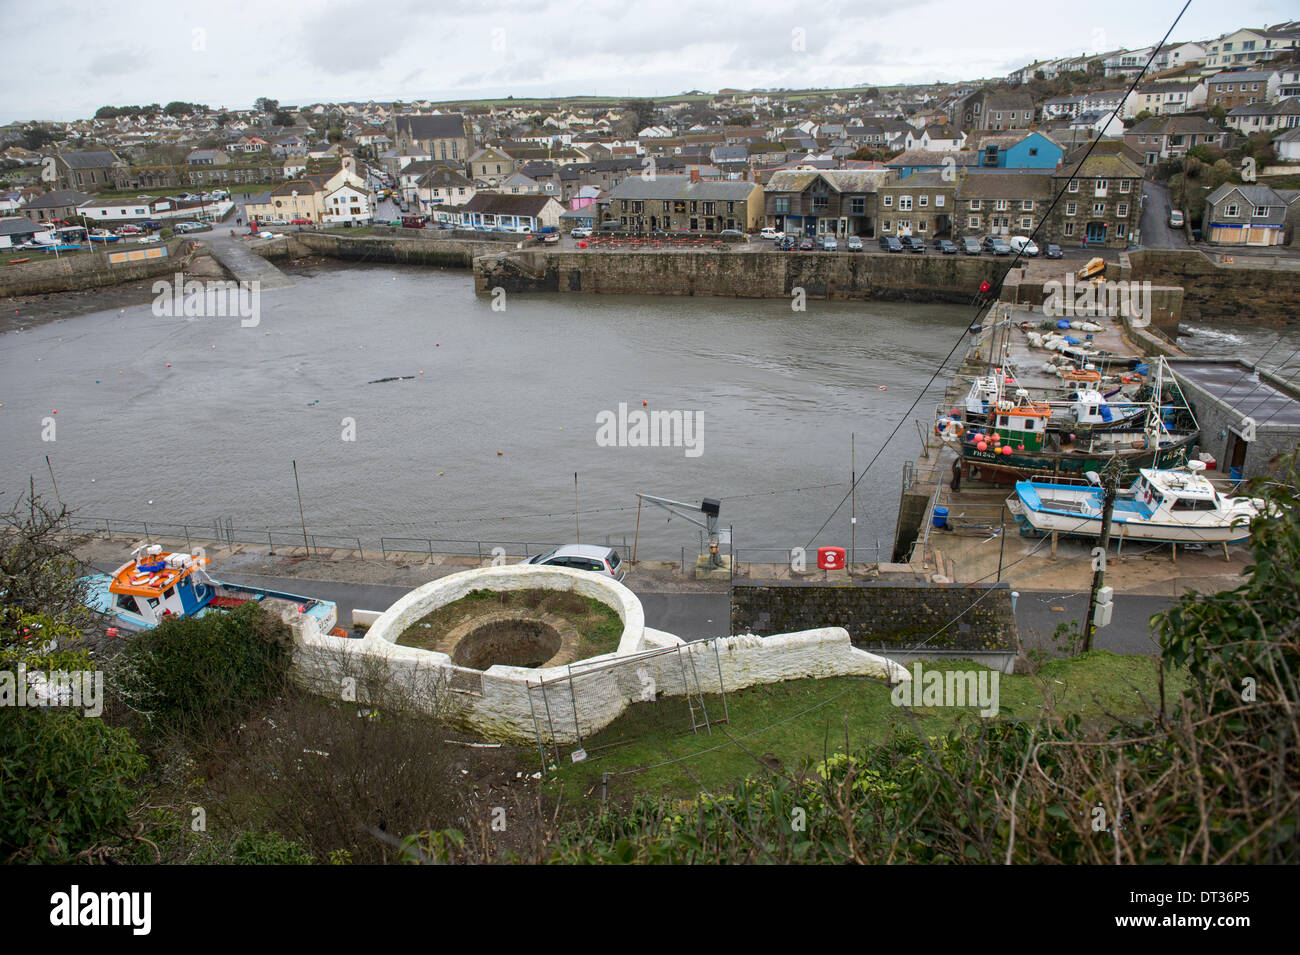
{"x": 154, "y": 585}
{"x": 1178, "y": 506}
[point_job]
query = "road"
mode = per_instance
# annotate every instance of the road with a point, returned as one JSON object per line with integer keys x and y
{"x": 1156, "y": 233}
{"x": 1128, "y": 633}
{"x": 700, "y": 616}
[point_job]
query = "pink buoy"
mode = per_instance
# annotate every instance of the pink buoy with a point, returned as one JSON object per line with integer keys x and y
{"x": 1006, "y": 449}
{"x": 983, "y": 446}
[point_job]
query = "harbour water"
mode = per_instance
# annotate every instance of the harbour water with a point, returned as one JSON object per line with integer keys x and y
{"x": 191, "y": 420}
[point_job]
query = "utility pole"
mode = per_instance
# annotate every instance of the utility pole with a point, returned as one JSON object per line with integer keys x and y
{"x": 1110, "y": 485}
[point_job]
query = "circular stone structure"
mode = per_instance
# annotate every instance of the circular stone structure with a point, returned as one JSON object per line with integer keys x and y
{"x": 511, "y": 638}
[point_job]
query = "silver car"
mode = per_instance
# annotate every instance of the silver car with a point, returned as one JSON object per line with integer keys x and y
{"x": 598, "y": 560}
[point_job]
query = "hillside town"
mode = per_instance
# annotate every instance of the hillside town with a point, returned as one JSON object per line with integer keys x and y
{"x": 590, "y": 435}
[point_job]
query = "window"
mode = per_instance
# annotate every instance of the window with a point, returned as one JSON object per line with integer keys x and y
{"x": 974, "y": 205}
{"x": 885, "y": 226}
{"x": 1026, "y": 205}
{"x": 1026, "y": 222}
{"x": 1074, "y": 186}
{"x": 858, "y": 206}
{"x": 1261, "y": 212}
{"x": 972, "y": 222}
{"x": 904, "y": 203}
{"x": 1071, "y": 208}
{"x": 889, "y": 201}
{"x": 1101, "y": 187}
{"x": 1069, "y": 228}
{"x": 1125, "y": 185}
{"x": 1003, "y": 205}
{"x": 938, "y": 202}
{"x": 1231, "y": 210}
{"x": 920, "y": 226}
{"x": 923, "y": 201}
{"x": 781, "y": 205}
{"x": 1122, "y": 210}
{"x": 1099, "y": 208}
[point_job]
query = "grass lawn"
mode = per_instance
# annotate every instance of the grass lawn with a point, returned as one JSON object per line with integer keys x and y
{"x": 801, "y": 721}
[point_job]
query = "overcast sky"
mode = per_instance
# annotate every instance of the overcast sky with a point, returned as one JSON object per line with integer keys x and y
{"x": 64, "y": 60}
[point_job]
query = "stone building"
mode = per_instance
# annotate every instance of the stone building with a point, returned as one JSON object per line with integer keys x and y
{"x": 1001, "y": 203}
{"x": 1099, "y": 201}
{"x": 920, "y": 205}
{"x": 685, "y": 204}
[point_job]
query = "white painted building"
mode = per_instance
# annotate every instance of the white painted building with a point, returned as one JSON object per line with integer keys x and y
{"x": 347, "y": 205}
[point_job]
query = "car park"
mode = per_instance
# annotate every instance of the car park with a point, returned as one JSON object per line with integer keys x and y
{"x": 997, "y": 245}
{"x": 889, "y": 243}
{"x": 945, "y": 246}
{"x": 854, "y": 243}
{"x": 597, "y": 560}
{"x": 1054, "y": 251}
{"x": 971, "y": 246}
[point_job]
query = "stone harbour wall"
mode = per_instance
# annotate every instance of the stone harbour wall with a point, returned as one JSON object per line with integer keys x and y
{"x": 1262, "y": 294}
{"x": 822, "y": 275}
{"x": 884, "y": 616}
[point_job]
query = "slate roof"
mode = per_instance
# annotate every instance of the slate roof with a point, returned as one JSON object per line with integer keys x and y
{"x": 501, "y": 204}
{"x": 59, "y": 198}
{"x": 1004, "y": 185}
{"x": 94, "y": 159}
{"x": 418, "y": 126}
{"x": 681, "y": 187}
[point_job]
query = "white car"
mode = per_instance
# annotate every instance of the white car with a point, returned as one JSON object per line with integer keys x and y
{"x": 149, "y": 239}
{"x": 767, "y": 232}
{"x": 1024, "y": 245}
{"x": 581, "y": 233}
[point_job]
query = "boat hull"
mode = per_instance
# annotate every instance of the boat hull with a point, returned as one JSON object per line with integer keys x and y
{"x": 1020, "y": 465}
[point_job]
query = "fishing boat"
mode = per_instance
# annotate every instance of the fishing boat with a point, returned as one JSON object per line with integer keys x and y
{"x": 1083, "y": 409}
{"x": 103, "y": 235}
{"x": 1176, "y": 506}
{"x": 1017, "y": 442}
{"x": 154, "y": 585}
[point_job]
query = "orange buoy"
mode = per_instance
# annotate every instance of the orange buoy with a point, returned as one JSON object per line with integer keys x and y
{"x": 883, "y": 388}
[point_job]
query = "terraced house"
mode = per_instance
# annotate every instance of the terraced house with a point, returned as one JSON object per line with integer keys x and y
{"x": 1244, "y": 215}
{"x": 840, "y": 202}
{"x": 685, "y": 204}
{"x": 919, "y": 205}
{"x": 1000, "y": 203}
{"x": 1099, "y": 202}
{"x": 1166, "y": 137}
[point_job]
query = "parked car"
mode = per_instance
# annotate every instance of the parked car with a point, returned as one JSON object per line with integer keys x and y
{"x": 1175, "y": 219}
{"x": 806, "y": 244}
{"x": 550, "y": 238}
{"x": 786, "y": 243}
{"x": 912, "y": 243}
{"x": 130, "y": 230}
{"x": 945, "y": 246}
{"x": 997, "y": 245}
{"x": 184, "y": 227}
{"x": 581, "y": 233}
{"x": 731, "y": 234}
{"x": 830, "y": 244}
{"x": 971, "y": 246}
{"x": 300, "y": 221}
{"x": 149, "y": 239}
{"x": 768, "y": 232}
{"x": 598, "y": 560}
{"x": 1024, "y": 245}
{"x": 1054, "y": 251}
{"x": 854, "y": 243}
{"x": 889, "y": 243}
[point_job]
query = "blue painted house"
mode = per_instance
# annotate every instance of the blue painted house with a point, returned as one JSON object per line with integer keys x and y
{"x": 1020, "y": 151}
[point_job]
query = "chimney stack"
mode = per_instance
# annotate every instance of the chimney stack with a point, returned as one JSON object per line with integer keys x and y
{"x": 695, "y": 174}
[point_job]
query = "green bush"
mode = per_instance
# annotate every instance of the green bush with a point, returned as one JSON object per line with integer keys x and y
{"x": 65, "y": 783}
{"x": 199, "y": 674}
{"x": 269, "y": 848}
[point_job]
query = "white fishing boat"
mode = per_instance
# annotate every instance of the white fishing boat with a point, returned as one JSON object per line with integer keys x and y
{"x": 1177, "y": 505}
